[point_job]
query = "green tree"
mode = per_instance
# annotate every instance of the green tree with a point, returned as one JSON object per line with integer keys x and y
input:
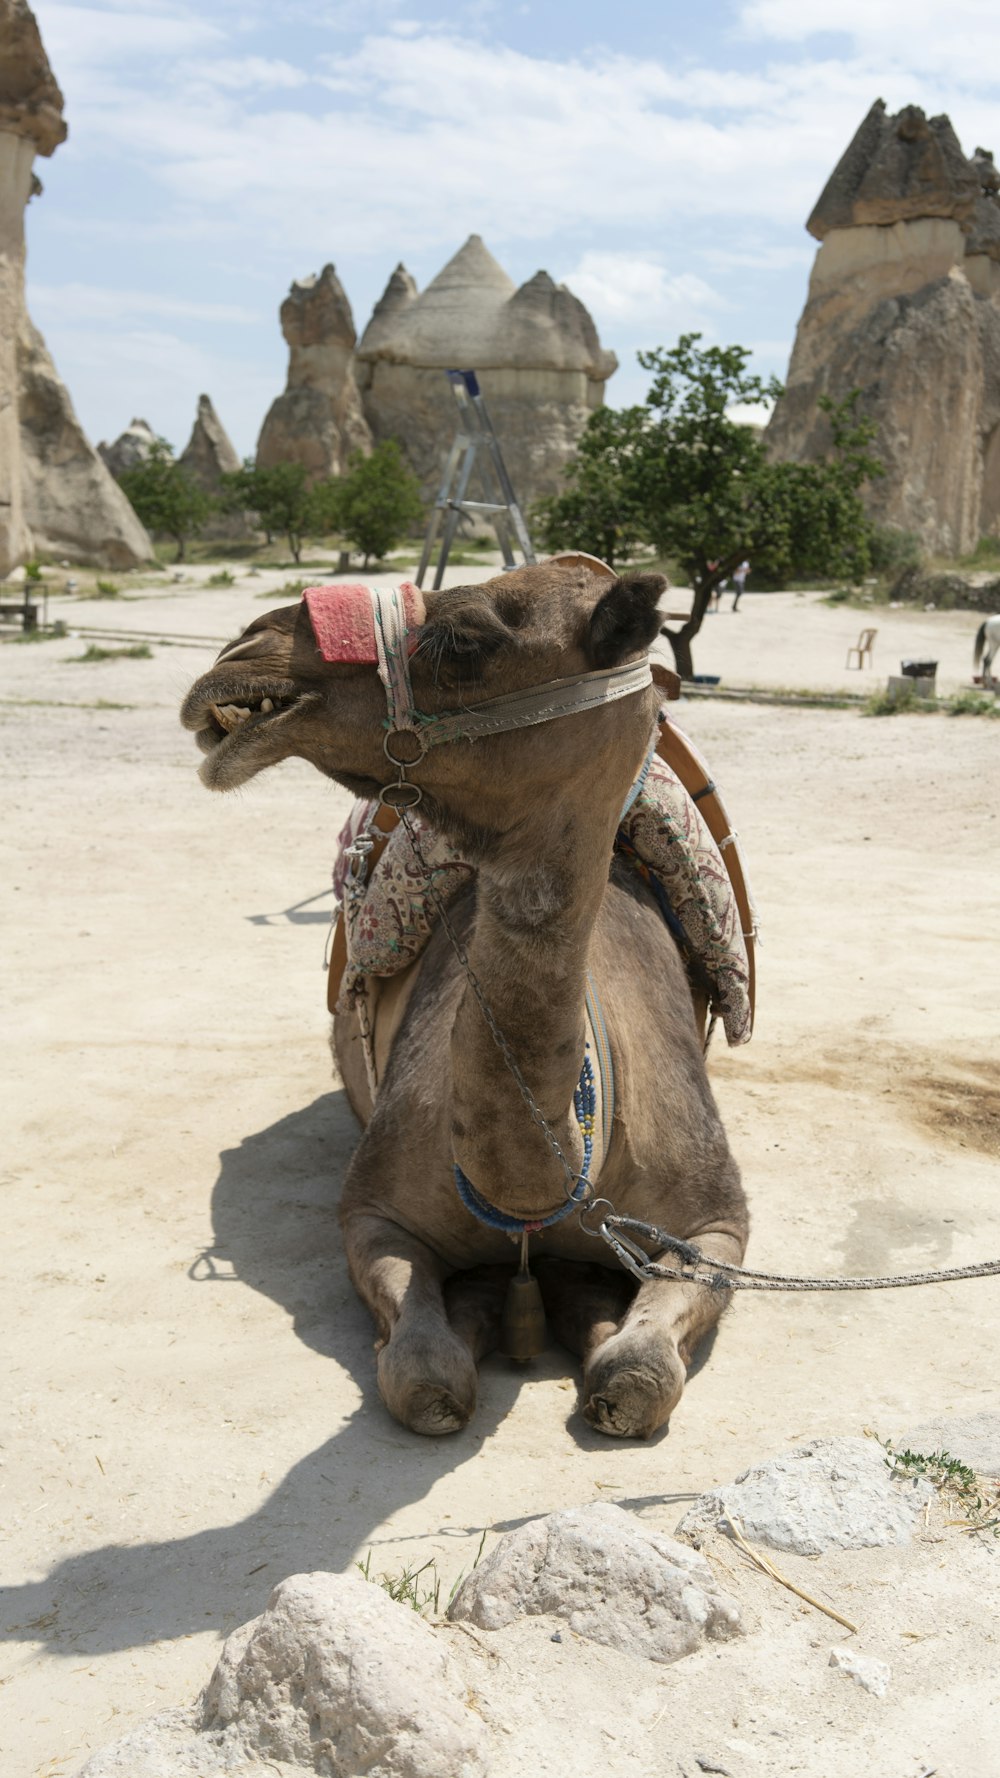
{"x": 709, "y": 496}
{"x": 165, "y": 498}
{"x": 379, "y": 501}
{"x": 282, "y": 500}
{"x": 599, "y": 511}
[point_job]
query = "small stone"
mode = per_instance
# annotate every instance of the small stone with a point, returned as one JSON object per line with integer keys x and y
{"x": 865, "y": 1670}
{"x": 608, "y": 1576}
{"x": 828, "y": 1494}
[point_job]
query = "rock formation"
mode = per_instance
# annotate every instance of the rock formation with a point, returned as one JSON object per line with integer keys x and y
{"x": 318, "y": 421}
{"x": 904, "y": 304}
{"x": 130, "y": 447}
{"x": 540, "y": 362}
{"x": 55, "y": 493}
{"x": 207, "y": 457}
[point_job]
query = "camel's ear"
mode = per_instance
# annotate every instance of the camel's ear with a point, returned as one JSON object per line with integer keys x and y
{"x": 625, "y": 619}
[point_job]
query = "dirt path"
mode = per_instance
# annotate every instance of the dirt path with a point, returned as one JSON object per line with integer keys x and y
{"x": 193, "y": 1412}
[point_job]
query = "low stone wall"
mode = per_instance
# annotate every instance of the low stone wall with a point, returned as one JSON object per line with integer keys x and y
{"x": 948, "y": 592}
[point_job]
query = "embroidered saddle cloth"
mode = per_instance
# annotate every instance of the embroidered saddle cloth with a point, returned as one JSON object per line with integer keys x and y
{"x": 663, "y": 835}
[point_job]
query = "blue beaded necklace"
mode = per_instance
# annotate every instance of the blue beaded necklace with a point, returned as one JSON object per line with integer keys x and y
{"x": 585, "y": 1106}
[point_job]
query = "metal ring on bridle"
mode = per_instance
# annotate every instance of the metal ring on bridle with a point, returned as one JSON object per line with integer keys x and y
{"x": 411, "y": 734}
{"x": 587, "y": 1209}
{"x": 402, "y": 795}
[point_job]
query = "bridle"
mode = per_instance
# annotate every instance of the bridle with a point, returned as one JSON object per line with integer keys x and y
{"x": 392, "y": 611}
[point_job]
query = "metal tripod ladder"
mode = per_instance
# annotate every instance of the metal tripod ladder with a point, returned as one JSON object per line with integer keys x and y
{"x": 475, "y": 442}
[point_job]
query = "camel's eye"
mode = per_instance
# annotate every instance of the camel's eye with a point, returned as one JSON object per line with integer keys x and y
{"x": 462, "y": 635}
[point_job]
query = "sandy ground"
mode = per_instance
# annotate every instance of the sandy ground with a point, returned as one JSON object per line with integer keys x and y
{"x": 192, "y": 1412}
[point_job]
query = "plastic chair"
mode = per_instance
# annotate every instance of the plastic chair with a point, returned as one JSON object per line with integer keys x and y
{"x": 863, "y": 649}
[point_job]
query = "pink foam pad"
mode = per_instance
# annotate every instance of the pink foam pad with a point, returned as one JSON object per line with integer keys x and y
{"x": 343, "y": 625}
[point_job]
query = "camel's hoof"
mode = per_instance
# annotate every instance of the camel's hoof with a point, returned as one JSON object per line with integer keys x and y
{"x": 430, "y": 1391}
{"x": 434, "y": 1412}
{"x": 630, "y": 1401}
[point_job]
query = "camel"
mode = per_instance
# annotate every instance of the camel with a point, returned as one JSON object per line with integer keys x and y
{"x": 536, "y": 808}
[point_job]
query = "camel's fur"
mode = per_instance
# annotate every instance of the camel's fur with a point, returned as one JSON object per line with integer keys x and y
{"x": 536, "y": 810}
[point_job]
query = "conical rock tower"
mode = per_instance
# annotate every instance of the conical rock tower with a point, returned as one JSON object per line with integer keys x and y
{"x": 56, "y": 495}
{"x": 904, "y": 305}
{"x": 541, "y": 366}
{"x": 318, "y": 421}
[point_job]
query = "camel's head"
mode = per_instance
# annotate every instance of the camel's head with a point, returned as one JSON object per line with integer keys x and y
{"x": 272, "y": 694}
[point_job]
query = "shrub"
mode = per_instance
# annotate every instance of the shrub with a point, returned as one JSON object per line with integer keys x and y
{"x": 378, "y": 501}
{"x": 891, "y": 550}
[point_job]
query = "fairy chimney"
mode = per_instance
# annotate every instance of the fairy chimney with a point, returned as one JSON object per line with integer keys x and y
{"x": 55, "y": 493}
{"x": 541, "y": 366}
{"x": 318, "y": 421}
{"x": 904, "y": 305}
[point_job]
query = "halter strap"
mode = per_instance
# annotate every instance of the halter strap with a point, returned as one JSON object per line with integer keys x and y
{"x": 517, "y": 709}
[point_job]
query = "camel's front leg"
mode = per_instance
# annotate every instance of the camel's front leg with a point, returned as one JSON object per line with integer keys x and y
{"x": 634, "y": 1379}
{"x": 426, "y": 1372}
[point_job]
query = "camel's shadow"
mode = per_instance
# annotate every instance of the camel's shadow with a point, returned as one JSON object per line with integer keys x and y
{"x": 275, "y": 1226}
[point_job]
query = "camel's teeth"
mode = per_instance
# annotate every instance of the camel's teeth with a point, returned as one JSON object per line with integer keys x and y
{"x": 266, "y": 706}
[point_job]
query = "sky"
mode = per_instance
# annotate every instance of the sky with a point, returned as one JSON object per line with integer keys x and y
{"x": 659, "y": 157}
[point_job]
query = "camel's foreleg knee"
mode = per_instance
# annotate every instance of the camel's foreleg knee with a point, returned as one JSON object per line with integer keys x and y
{"x": 426, "y": 1372}
{"x": 633, "y": 1381}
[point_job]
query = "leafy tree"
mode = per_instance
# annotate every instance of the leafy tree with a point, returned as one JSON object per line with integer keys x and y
{"x": 282, "y": 500}
{"x": 710, "y": 496}
{"x": 599, "y": 511}
{"x": 278, "y": 496}
{"x": 679, "y": 474}
{"x": 378, "y": 501}
{"x": 165, "y": 498}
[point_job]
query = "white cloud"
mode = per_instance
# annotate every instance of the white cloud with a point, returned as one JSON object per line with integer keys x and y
{"x": 636, "y": 292}
{"x": 247, "y": 72}
{"x": 82, "y": 37}
{"x": 960, "y": 41}
{"x": 90, "y": 302}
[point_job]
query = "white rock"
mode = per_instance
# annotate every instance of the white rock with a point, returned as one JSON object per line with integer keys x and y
{"x": 829, "y": 1494}
{"x": 605, "y": 1574}
{"x": 333, "y": 1678}
{"x": 865, "y": 1670}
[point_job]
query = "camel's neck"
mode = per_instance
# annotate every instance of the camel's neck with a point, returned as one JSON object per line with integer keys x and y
{"x": 538, "y": 899}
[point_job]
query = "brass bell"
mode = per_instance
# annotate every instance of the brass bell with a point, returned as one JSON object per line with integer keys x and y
{"x": 523, "y": 1323}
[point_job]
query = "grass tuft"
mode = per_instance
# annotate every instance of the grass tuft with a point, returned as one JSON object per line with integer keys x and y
{"x": 140, "y": 651}
{"x": 973, "y": 703}
{"x": 409, "y": 1586}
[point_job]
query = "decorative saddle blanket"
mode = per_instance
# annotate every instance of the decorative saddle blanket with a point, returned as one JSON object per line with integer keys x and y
{"x": 663, "y": 835}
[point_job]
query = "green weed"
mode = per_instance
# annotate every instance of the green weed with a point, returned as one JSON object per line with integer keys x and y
{"x": 973, "y": 703}
{"x": 907, "y": 704}
{"x": 410, "y": 1588}
{"x": 223, "y": 578}
{"x": 292, "y": 589}
{"x": 106, "y": 589}
{"x": 139, "y": 651}
{"x": 976, "y": 1498}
